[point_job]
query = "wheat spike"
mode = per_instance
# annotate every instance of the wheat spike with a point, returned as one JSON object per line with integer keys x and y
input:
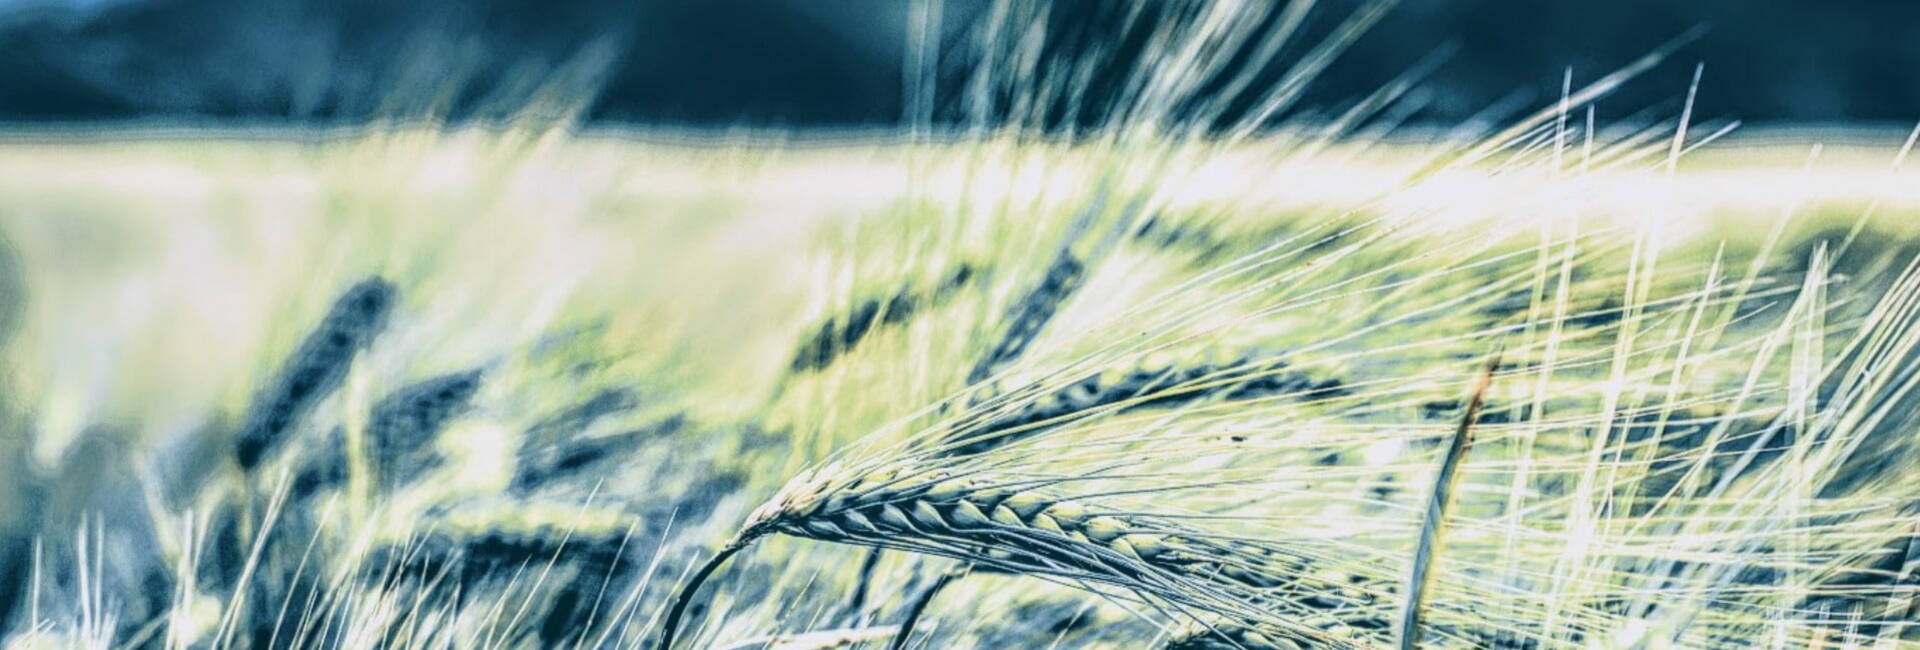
{"x": 1023, "y": 529}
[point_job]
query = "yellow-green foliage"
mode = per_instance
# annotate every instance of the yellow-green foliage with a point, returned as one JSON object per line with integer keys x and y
{"x": 1652, "y": 328}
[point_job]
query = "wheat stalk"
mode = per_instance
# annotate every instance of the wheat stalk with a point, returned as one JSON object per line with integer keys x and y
{"x": 1439, "y": 500}
{"x": 920, "y": 603}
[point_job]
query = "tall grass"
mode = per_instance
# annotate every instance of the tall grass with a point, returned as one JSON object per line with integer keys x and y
{"x": 1134, "y": 355}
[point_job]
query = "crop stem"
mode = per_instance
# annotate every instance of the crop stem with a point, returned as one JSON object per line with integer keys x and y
{"x": 685, "y": 597}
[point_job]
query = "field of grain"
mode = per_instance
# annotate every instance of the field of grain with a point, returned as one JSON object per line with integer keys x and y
{"x": 514, "y": 387}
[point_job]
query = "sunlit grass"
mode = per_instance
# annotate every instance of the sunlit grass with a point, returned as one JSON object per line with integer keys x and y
{"x": 166, "y": 277}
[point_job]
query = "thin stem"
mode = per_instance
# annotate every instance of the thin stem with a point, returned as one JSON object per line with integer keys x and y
{"x": 858, "y": 601}
{"x": 920, "y": 605}
{"x": 680, "y": 602}
{"x": 1436, "y": 517}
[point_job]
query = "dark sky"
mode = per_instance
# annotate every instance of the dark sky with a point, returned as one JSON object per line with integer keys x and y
{"x": 837, "y": 62}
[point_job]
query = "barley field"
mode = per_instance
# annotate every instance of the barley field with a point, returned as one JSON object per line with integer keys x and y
{"x": 1561, "y": 382}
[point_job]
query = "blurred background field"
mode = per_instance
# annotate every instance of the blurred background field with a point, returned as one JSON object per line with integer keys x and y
{"x": 810, "y": 64}
{"x": 141, "y": 227}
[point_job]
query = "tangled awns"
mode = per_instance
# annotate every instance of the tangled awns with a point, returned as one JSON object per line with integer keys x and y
{"x": 1563, "y": 384}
